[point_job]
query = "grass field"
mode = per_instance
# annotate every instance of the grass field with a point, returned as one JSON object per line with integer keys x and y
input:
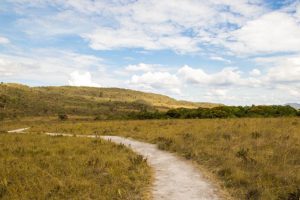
{"x": 36, "y": 166}
{"x": 257, "y": 158}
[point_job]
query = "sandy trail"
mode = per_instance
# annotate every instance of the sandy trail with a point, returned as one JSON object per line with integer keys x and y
{"x": 175, "y": 178}
{"x": 18, "y": 130}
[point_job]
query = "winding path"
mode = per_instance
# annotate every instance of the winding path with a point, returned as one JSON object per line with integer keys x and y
{"x": 175, "y": 178}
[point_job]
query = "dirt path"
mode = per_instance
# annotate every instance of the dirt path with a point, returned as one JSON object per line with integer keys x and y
{"x": 175, "y": 178}
{"x": 18, "y": 130}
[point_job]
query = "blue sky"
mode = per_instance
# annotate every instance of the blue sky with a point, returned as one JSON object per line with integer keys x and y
{"x": 237, "y": 52}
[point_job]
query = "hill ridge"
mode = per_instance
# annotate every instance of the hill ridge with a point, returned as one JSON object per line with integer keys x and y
{"x": 19, "y": 99}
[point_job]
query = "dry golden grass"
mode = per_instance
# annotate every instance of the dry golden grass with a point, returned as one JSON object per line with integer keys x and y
{"x": 252, "y": 158}
{"x": 36, "y": 166}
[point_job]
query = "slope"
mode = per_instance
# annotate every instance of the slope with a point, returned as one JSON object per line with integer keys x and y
{"x": 22, "y": 100}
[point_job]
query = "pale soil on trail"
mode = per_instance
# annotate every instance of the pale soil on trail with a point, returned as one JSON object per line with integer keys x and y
{"x": 174, "y": 178}
{"x": 18, "y": 130}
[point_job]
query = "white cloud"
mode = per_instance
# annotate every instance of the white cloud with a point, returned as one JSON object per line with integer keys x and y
{"x": 241, "y": 29}
{"x": 255, "y": 72}
{"x": 181, "y": 26}
{"x": 219, "y": 58}
{"x": 156, "y": 81}
{"x": 290, "y": 90}
{"x": 109, "y": 39}
{"x": 217, "y": 92}
{"x": 273, "y": 32}
{"x": 82, "y": 79}
{"x": 283, "y": 69}
{"x": 4, "y": 40}
{"x": 141, "y": 67}
{"x": 227, "y": 76}
{"x": 51, "y": 66}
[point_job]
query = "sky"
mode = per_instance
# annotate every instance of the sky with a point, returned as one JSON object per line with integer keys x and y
{"x": 236, "y": 52}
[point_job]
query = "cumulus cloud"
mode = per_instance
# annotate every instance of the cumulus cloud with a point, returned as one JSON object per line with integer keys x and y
{"x": 46, "y": 66}
{"x": 4, "y": 40}
{"x": 255, "y": 72}
{"x": 226, "y": 76}
{"x": 82, "y": 79}
{"x": 155, "y": 81}
{"x": 181, "y": 26}
{"x": 273, "y": 32}
{"x": 242, "y": 30}
{"x": 283, "y": 69}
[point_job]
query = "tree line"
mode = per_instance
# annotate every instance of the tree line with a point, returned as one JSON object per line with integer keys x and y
{"x": 219, "y": 112}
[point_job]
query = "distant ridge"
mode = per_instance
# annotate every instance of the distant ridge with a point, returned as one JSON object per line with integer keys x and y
{"x": 294, "y": 105}
{"x": 22, "y": 100}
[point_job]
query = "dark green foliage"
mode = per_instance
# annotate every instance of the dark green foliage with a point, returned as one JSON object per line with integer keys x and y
{"x": 294, "y": 195}
{"x": 62, "y": 116}
{"x": 220, "y": 112}
{"x": 253, "y": 194}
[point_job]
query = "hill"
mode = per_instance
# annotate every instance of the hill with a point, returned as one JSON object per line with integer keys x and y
{"x": 294, "y": 105}
{"x": 22, "y": 100}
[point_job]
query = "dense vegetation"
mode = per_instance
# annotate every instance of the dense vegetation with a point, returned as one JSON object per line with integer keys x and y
{"x": 253, "y": 158}
{"x": 219, "y": 112}
{"x": 42, "y": 167}
{"x": 105, "y": 103}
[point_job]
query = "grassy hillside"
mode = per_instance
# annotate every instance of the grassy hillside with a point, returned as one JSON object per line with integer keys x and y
{"x": 43, "y": 167}
{"x": 21, "y": 100}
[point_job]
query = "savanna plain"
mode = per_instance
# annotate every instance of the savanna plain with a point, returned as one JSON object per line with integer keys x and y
{"x": 249, "y": 158}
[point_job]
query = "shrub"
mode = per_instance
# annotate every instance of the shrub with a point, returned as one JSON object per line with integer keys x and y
{"x": 253, "y": 194}
{"x": 3, "y": 187}
{"x": 294, "y": 195}
{"x": 63, "y": 116}
{"x": 243, "y": 154}
{"x": 164, "y": 143}
{"x": 137, "y": 160}
{"x": 2, "y": 116}
{"x": 255, "y": 135}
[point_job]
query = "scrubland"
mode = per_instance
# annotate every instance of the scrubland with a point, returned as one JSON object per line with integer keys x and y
{"x": 252, "y": 158}
{"x": 34, "y": 166}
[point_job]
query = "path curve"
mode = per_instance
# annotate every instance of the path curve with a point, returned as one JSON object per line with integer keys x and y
{"x": 175, "y": 178}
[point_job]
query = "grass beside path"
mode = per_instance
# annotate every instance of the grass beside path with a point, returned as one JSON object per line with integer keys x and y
{"x": 36, "y": 166}
{"x": 256, "y": 158}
